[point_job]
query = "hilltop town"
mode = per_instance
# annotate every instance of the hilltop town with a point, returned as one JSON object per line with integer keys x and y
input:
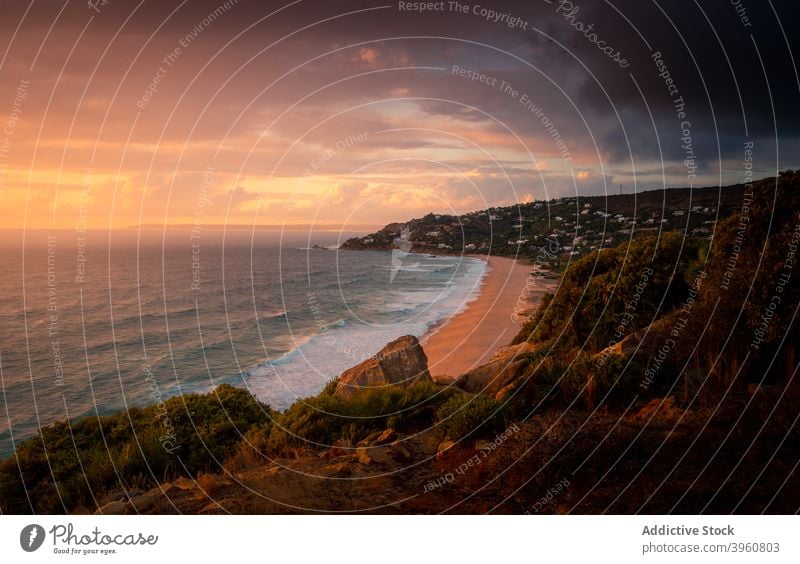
{"x": 562, "y": 229}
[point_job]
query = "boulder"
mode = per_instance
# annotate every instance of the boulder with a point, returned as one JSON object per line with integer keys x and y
{"x": 213, "y": 508}
{"x": 153, "y": 501}
{"x": 338, "y": 448}
{"x": 443, "y": 379}
{"x": 482, "y": 445}
{"x": 363, "y": 455}
{"x": 400, "y": 363}
{"x": 401, "y": 449}
{"x": 503, "y": 394}
{"x": 371, "y": 438}
{"x": 114, "y": 508}
{"x": 386, "y": 455}
{"x": 444, "y": 447}
{"x": 659, "y": 410}
{"x": 340, "y": 469}
{"x": 183, "y": 483}
{"x": 211, "y": 484}
{"x": 502, "y": 370}
{"x": 333, "y": 452}
{"x": 388, "y": 436}
{"x": 81, "y": 510}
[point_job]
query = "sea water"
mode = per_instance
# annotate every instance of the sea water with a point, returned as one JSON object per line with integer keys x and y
{"x": 155, "y": 317}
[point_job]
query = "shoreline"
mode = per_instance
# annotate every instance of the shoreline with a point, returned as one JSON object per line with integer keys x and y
{"x": 488, "y": 322}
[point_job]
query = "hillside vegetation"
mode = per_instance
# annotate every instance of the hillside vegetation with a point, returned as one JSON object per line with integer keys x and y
{"x": 679, "y": 315}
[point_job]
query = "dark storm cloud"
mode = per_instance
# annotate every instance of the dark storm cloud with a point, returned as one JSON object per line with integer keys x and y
{"x": 715, "y": 60}
{"x": 705, "y": 44}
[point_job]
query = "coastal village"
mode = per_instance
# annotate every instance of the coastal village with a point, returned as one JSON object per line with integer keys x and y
{"x": 561, "y": 229}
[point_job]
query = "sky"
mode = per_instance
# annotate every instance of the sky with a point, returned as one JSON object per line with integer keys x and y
{"x": 119, "y": 113}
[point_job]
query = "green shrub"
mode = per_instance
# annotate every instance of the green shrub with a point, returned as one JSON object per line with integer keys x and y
{"x": 463, "y": 415}
{"x": 252, "y": 450}
{"x": 323, "y": 419}
{"x": 592, "y": 298}
{"x": 71, "y": 465}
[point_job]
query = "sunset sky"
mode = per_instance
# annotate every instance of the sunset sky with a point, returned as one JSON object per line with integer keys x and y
{"x": 352, "y": 112}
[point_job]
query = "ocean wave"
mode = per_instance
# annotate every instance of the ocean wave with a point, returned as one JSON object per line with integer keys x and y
{"x": 338, "y": 323}
{"x": 277, "y": 361}
{"x": 350, "y": 281}
{"x": 417, "y": 267}
{"x": 306, "y": 368}
{"x": 273, "y": 315}
{"x": 291, "y": 350}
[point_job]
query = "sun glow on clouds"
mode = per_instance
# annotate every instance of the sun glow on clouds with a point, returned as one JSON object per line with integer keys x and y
{"x": 368, "y": 55}
{"x": 386, "y": 162}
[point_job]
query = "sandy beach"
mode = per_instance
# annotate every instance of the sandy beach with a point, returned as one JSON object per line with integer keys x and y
{"x": 471, "y": 337}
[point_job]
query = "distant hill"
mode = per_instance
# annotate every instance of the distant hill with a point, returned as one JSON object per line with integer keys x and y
{"x": 576, "y": 226}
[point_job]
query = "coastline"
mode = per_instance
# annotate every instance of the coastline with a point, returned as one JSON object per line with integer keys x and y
{"x": 487, "y": 323}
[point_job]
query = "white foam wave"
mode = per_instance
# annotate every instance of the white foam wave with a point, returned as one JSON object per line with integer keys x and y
{"x": 304, "y": 370}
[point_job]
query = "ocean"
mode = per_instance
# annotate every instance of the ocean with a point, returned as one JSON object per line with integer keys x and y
{"x": 95, "y": 326}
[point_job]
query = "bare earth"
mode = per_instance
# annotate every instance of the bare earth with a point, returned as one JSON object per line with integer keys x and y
{"x": 470, "y": 338}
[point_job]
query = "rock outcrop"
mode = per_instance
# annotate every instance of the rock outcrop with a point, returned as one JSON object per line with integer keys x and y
{"x": 659, "y": 410}
{"x": 502, "y": 371}
{"x": 114, "y": 508}
{"x": 400, "y": 363}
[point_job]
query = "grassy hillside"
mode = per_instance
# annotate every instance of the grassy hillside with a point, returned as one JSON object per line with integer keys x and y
{"x": 678, "y": 315}
{"x": 69, "y": 465}
{"x": 74, "y": 466}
